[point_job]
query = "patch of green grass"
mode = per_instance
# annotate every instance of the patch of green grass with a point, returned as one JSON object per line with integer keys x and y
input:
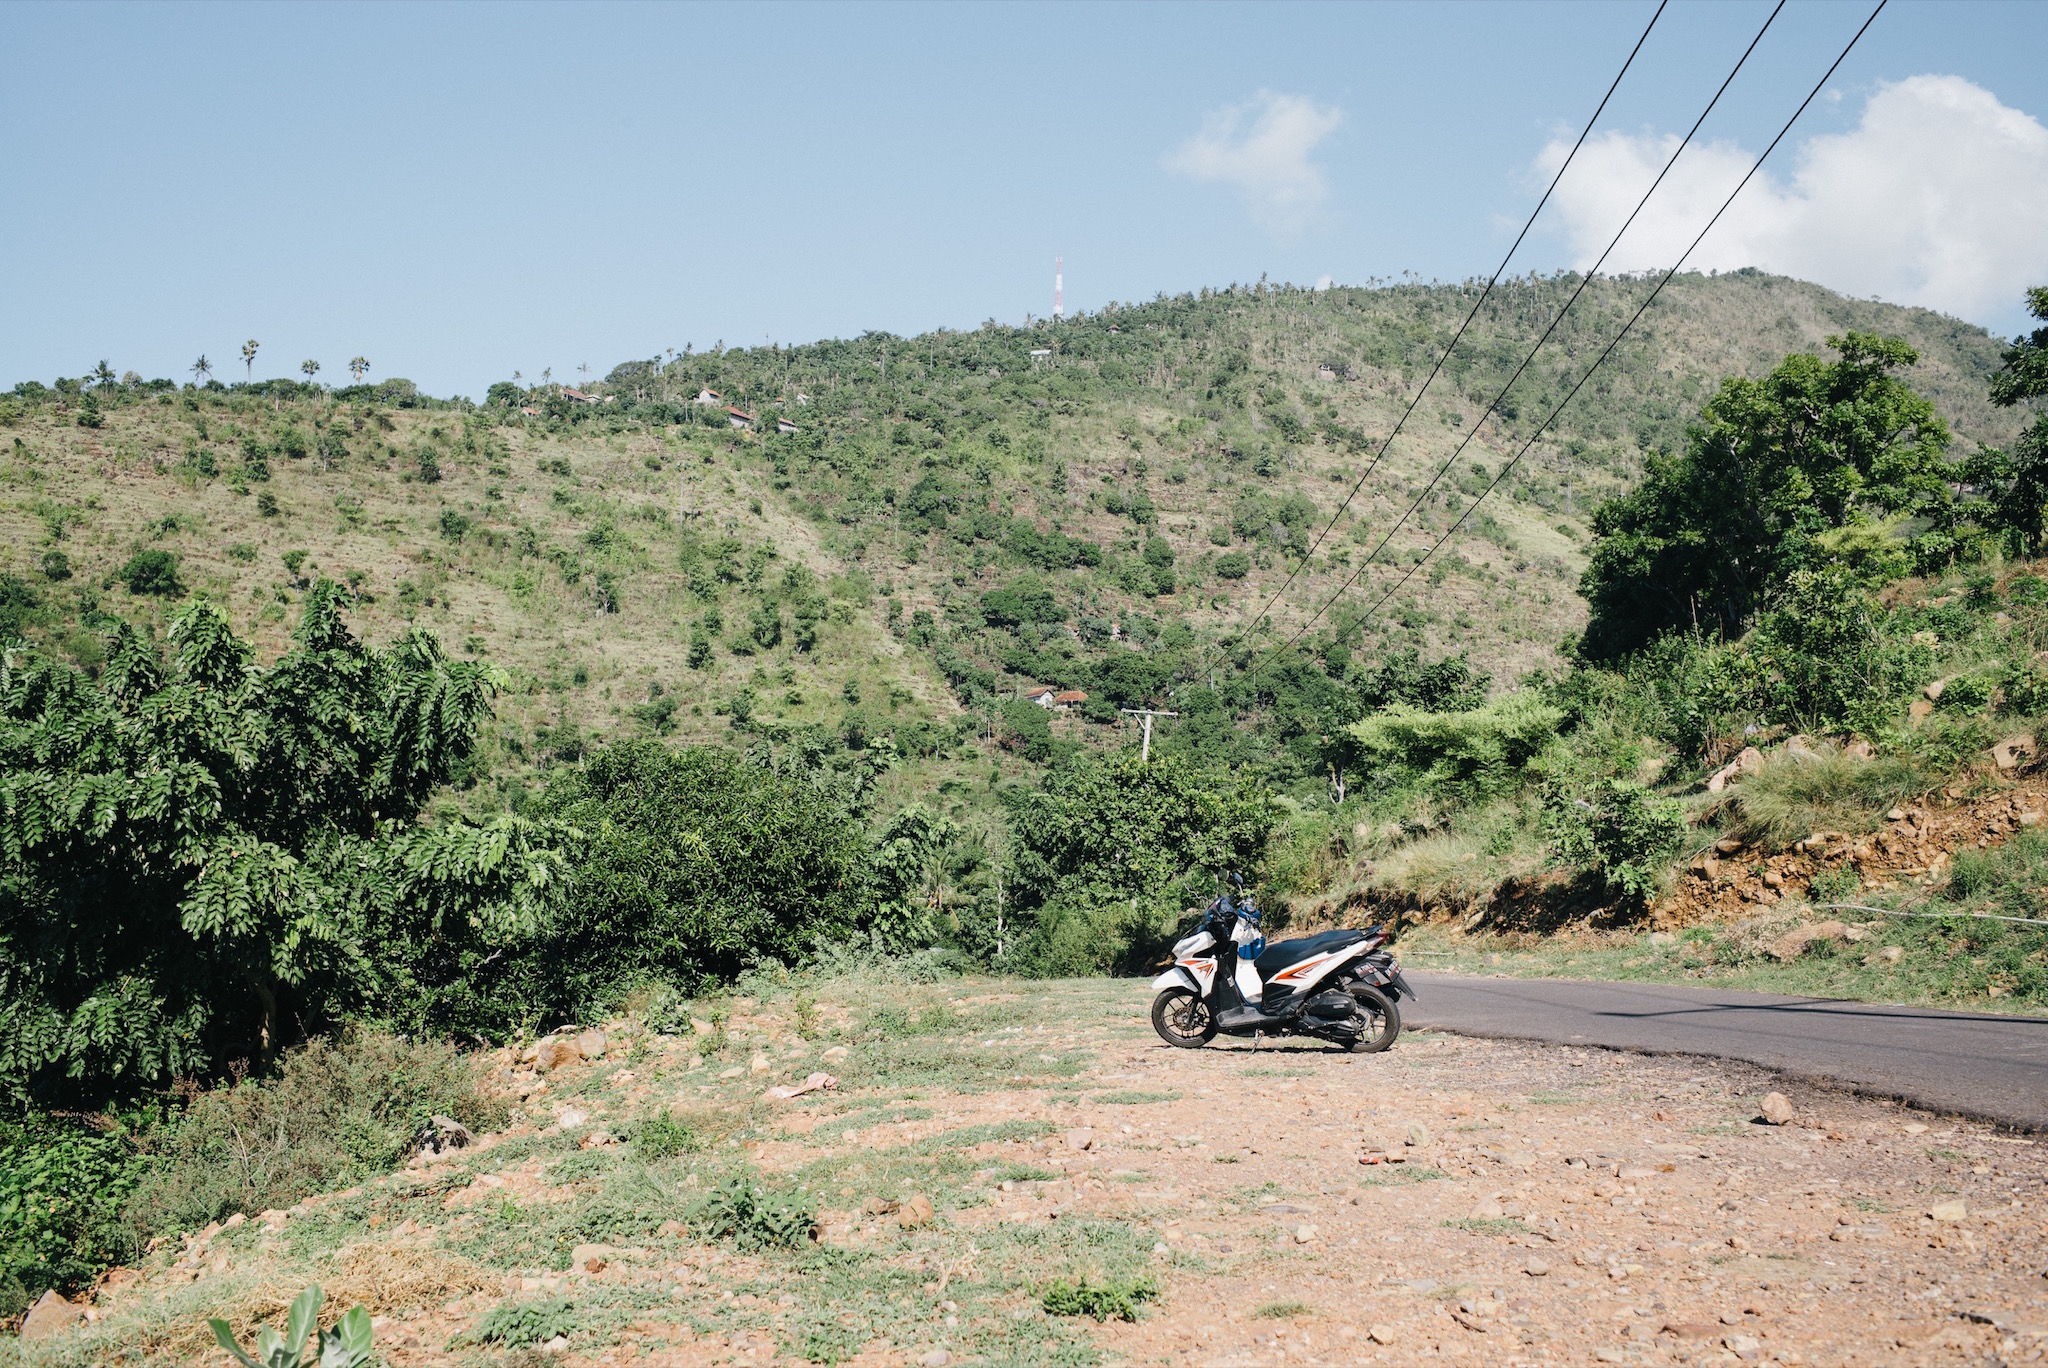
{"x": 1280, "y": 1310}
{"x": 1133, "y": 1098}
{"x": 1553, "y": 1099}
{"x": 967, "y": 1137}
{"x": 662, "y": 1136}
{"x": 1224, "y": 1159}
{"x": 1793, "y": 796}
{"x": 518, "y": 1323}
{"x": 1022, "y": 1173}
{"x": 1118, "y": 1299}
{"x": 1500, "y": 1225}
{"x": 744, "y": 1215}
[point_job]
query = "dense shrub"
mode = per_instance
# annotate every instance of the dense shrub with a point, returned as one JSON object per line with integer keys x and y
{"x": 61, "y": 1195}
{"x": 1618, "y": 828}
{"x": 697, "y": 863}
{"x": 1466, "y": 756}
{"x": 154, "y": 572}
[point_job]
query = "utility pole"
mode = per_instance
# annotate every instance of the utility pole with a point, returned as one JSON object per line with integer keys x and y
{"x": 1145, "y": 751}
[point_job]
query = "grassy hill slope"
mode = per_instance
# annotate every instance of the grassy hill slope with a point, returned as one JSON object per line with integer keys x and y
{"x": 639, "y": 564}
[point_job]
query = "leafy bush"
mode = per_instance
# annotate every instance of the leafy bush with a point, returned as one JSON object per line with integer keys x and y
{"x": 1118, "y": 1299}
{"x": 661, "y": 1136}
{"x": 61, "y": 1197}
{"x": 1618, "y": 828}
{"x": 1233, "y": 565}
{"x": 154, "y": 571}
{"x": 1468, "y": 756}
{"x": 698, "y": 863}
{"x": 56, "y": 565}
{"x": 517, "y": 1323}
{"x": 1108, "y": 852}
{"x": 347, "y": 1345}
{"x": 753, "y": 1220}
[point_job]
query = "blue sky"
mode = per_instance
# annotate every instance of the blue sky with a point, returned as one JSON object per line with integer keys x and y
{"x": 457, "y": 192}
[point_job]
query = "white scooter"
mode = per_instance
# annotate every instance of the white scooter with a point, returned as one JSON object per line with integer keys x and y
{"x": 1340, "y": 986}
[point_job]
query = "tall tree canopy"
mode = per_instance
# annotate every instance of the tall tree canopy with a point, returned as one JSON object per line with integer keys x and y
{"x": 2016, "y": 481}
{"x": 198, "y": 858}
{"x": 1771, "y": 465}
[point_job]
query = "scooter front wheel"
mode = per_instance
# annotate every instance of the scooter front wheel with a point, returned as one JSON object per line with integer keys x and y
{"x": 1382, "y": 1019}
{"x": 1182, "y": 1019}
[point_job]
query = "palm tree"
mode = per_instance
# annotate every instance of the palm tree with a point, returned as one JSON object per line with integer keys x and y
{"x": 104, "y": 373}
{"x": 311, "y": 368}
{"x": 202, "y": 370}
{"x": 357, "y": 365}
{"x": 249, "y": 357}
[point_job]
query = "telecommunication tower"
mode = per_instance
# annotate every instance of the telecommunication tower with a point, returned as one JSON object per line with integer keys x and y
{"x": 1059, "y": 286}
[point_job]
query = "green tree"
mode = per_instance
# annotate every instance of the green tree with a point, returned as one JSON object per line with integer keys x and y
{"x": 2016, "y": 481}
{"x": 698, "y": 864}
{"x": 202, "y": 370}
{"x": 154, "y": 572}
{"x": 249, "y": 357}
{"x": 201, "y": 855}
{"x": 310, "y": 368}
{"x": 1110, "y": 851}
{"x": 1771, "y": 465}
{"x": 358, "y": 367}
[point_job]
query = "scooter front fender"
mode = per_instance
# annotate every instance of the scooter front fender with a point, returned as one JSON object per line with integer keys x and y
{"x": 1176, "y": 977}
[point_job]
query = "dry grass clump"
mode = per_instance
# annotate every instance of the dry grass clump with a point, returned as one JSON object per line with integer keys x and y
{"x": 1798, "y": 793}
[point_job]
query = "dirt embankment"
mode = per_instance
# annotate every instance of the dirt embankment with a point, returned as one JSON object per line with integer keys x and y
{"x": 1731, "y": 880}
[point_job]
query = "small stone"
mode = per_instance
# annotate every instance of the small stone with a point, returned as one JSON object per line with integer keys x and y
{"x": 1777, "y": 1109}
{"x": 1919, "y": 708}
{"x": 1304, "y": 1234}
{"x": 1536, "y": 1268}
{"x": 1896, "y": 815}
{"x": 1080, "y": 1139}
{"x": 572, "y": 1117}
{"x": 1728, "y": 846}
{"x": 1915, "y": 1128}
{"x": 590, "y": 1044}
{"x": 936, "y": 1358}
{"x": 879, "y": 1206}
{"x": 234, "y": 1222}
{"x": 1381, "y": 1334}
{"x": 1418, "y": 1135}
{"x": 1935, "y": 690}
{"x": 916, "y": 1213}
{"x": 1948, "y": 1211}
{"x": 836, "y": 1052}
{"x": 1161, "y": 1247}
{"x": 591, "y": 1258}
{"x": 558, "y": 1345}
{"x": 1609, "y": 1356}
{"x": 1519, "y": 1159}
{"x": 1488, "y": 1210}
{"x": 51, "y": 1315}
{"x": 760, "y": 1064}
{"x": 1859, "y": 750}
{"x": 1635, "y": 1173}
{"x": 553, "y": 1054}
{"x": 1742, "y": 1346}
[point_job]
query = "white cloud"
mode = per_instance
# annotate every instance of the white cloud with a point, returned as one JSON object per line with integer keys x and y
{"x": 1324, "y": 282}
{"x": 1937, "y": 198}
{"x": 1262, "y": 148}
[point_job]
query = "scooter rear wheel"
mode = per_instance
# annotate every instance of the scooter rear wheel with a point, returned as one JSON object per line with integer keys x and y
{"x": 1183, "y": 1020}
{"x": 1382, "y": 1019}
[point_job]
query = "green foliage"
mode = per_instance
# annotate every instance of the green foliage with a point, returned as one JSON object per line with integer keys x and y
{"x": 61, "y": 1221}
{"x": 661, "y": 1136}
{"x": 346, "y": 1345}
{"x": 1794, "y": 795}
{"x": 751, "y": 1219}
{"x": 519, "y": 1323}
{"x": 1619, "y": 828}
{"x": 56, "y": 565}
{"x": 1027, "y": 729}
{"x": 1109, "y": 851}
{"x": 1233, "y": 565}
{"x": 153, "y": 571}
{"x": 1025, "y": 599}
{"x": 1468, "y": 756}
{"x": 698, "y": 863}
{"x": 193, "y": 856}
{"x": 2016, "y": 481}
{"x": 1771, "y": 465}
{"x": 1116, "y": 1299}
{"x": 333, "y": 1112}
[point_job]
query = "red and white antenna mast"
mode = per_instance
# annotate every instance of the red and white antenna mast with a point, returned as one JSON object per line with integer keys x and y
{"x": 1059, "y": 287}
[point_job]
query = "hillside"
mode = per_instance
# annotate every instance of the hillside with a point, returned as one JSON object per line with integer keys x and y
{"x": 952, "y": 519}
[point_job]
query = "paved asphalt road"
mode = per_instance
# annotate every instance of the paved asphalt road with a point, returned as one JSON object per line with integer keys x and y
{"x": 1991, "y": 1067}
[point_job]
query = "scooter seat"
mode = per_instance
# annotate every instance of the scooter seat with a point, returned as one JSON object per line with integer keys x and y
{"x": 1284, "y": 954}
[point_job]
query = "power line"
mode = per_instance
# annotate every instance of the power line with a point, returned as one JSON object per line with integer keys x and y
{"x": 1584, "y": 280}
{"x": 1633, "y": 319}
{"x": 1459, "y": 335}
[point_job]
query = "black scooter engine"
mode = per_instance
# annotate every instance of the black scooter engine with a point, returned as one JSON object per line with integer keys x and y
{"x": 1333, "y": 1011}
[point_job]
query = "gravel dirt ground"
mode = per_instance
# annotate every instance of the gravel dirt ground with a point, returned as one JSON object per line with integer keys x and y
{"x": 1481, "y": 1202}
